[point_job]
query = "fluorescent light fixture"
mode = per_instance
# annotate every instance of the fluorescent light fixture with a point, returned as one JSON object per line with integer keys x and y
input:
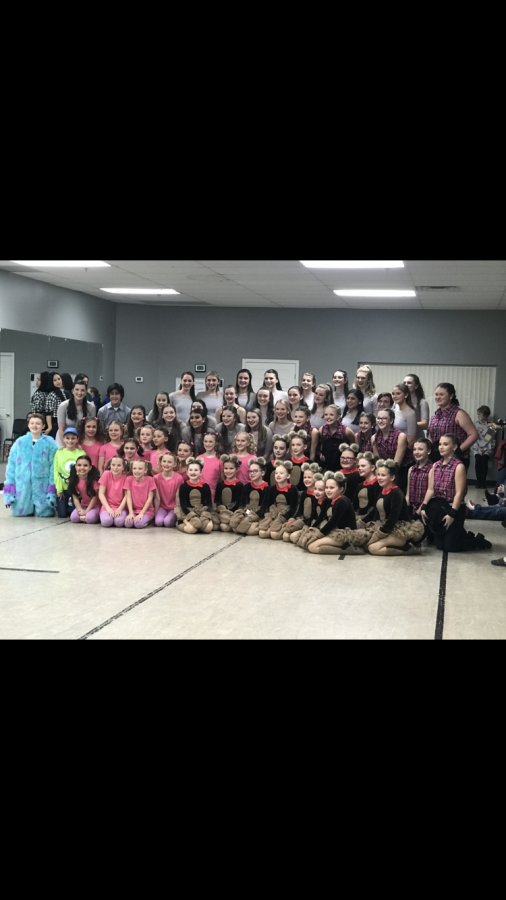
{"x": 62, "y": 263}
{"x": 360, "y": 292}
{"x": 140, "y": 290}
{"x": 352, "y": 264}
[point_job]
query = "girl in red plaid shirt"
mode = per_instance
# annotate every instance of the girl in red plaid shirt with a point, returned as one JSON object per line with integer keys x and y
{"x": 418, "y": 476}
{"x": 447, "y": 479}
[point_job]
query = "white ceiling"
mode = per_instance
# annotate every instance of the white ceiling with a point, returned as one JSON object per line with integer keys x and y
{"x": 480, "y": 284}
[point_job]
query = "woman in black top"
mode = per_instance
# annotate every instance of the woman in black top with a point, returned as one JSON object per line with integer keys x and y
{"x": 336, "y": 529}
{"x": 396, "y": 528}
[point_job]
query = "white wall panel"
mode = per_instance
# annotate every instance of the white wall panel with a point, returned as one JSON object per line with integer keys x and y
{"x": 475, "y": 385}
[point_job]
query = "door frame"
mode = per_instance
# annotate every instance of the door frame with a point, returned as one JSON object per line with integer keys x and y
{"x": 10, "y": 353}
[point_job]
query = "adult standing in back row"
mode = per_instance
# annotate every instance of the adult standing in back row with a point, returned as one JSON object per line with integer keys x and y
{"x": 449, "y": 418}
{"x": 71, "y": 411}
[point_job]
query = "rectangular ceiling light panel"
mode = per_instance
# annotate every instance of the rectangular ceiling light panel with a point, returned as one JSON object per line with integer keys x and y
{"x": 360, "y": 292}
{"x": 352, "y": 264}
{"x": 61, "y": 263}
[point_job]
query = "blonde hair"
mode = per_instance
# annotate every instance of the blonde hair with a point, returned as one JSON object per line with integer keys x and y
{"x": 286, "y": 404}
{"x": 126, "y": 465}
{"x": 121, "y": 427}
{"x": 370, "y": 387}
{"x": 147, "y": 465}
{"x": 335, "y": 408}
{"x": 250, "y": 446}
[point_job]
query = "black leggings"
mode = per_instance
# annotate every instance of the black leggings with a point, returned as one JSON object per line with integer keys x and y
{"x": 456, "y": 539}
{"x": 481, "y": 467}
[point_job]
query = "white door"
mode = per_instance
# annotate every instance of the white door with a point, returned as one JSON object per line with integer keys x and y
{"x": 6, "y": 393}
{"x": 287, "y": 369}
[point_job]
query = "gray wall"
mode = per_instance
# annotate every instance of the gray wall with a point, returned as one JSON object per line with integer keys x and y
{"x": 160, "y": 343}
{"x": 37, "y": 307}
{"x": 31, "y": 353}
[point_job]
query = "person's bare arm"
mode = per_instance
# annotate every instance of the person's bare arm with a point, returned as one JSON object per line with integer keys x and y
{"x": 402, "y": 444}
{"x": 315, "y": 437}
{"x": 428, "y": 494}
{"x": 470, "y": 429}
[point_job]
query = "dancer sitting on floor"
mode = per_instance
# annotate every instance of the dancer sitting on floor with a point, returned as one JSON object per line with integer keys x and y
{"x": 308, "y": 505}
{"x": 245, "y": 520}
{"x": 300, "y": 536}
{"x": 395, "y": 530}
{"x": 368, "y": 489}
{"x": 280, "y": 502}
{"x": 112, "y": 492}
{"x": 83, "y": 486}
{"x": 140, "y": 494}
{"x": 336, "y": 529}
{"x": 194, "y": 510}
{"x": 168, "y": 482}
{"x": 228, "y": 492}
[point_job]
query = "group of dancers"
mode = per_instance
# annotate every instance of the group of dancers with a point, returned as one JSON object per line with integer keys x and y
{"x": 332, "y": 469}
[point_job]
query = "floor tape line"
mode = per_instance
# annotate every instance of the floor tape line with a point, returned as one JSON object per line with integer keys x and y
{"x": 157, "y": 590}
{"x": 47, "y": 571}
{"x": 440, "y": 617}
{"x": 37, "y": 530}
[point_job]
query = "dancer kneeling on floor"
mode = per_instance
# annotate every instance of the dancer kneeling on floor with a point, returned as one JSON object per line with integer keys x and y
{"x": 83, "y": 486}
{"x": 228, "y": 492}
{"x": 367, "y": 490}
{"x": 194, "y": 510}
{"x": 303, "y": 536}
{"x": 336, "y": 529}
{"x": 308, "y": 508}
{"x": 140, "y": 494}
{"x": 396, "y": 530}
{"x": 280, "y": 502}
{"x": 245, "y": 520}
{"x": 447, "y": 482}
{"x": 112, "y": 492}
{"x": 168, "y": 482}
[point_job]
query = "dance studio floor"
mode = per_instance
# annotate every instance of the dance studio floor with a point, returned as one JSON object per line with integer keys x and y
{"x": 95, "y": 583}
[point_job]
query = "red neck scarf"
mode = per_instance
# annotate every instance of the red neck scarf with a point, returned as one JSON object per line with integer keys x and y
{"x": 235, "y": 481}
{"x": 258, "y": 487}
{"x": 285, "y": 489}
{"x": 298, "y": 462}
{"x": 310, "y": 493}
{"x": 384, "y": 492}
{"x": 199, "y": 484}
{"x": 372, "y": 481}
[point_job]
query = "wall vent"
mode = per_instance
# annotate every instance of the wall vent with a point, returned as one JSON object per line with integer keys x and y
{"x": 436, "y": 287}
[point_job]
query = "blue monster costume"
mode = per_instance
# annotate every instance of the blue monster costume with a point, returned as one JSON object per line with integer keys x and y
{"x": 29, "y": 480}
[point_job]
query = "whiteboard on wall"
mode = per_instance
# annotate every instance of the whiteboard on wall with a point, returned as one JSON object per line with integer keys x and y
{"x": 475, "y": 385}
{"x": 287, "y": 369}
